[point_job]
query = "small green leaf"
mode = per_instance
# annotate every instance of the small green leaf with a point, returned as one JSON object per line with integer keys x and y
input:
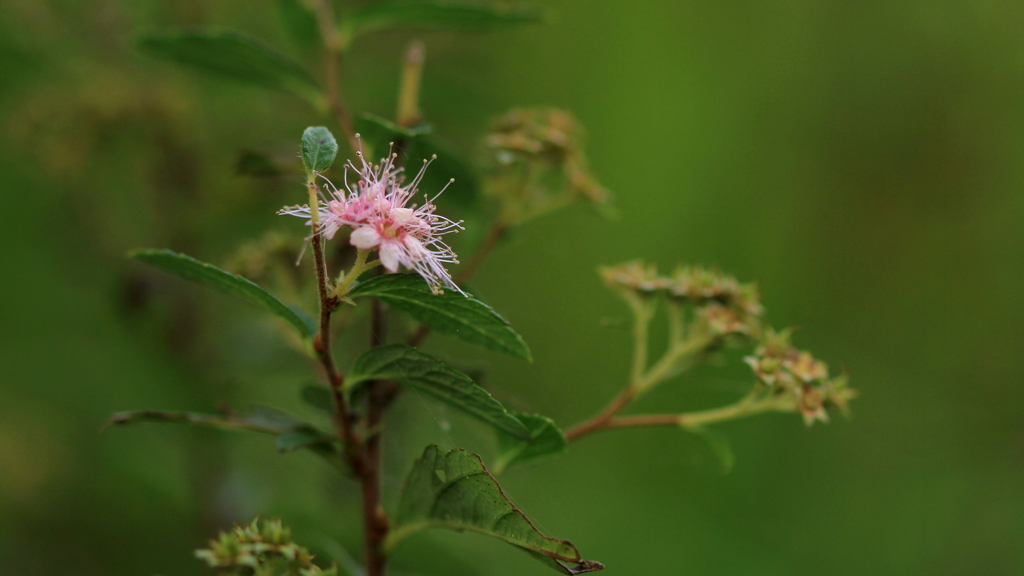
{"x": 448, "y": 313}
{"x": 431, "y": 377}
{"x": 318, "y": 149}
{"x": 209, "y": 275}
{"x": 292, "y": 434}
{"x": 439, "y": 14}
{"x": 419, "y": 145}
{"x": 303, "y": 437}
{"x": 318, "y": 397}
{"x": 234, "y": 55}
{"x": 546, "y": 439}
{"x": 455, "y": 491}
{"x": 719, "y": 445}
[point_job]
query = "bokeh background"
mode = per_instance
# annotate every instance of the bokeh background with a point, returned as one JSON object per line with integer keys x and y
{"x": 863, "y": 160}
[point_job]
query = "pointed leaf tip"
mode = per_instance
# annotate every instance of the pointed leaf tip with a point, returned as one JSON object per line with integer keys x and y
{"x": 454, "y": 490}
{"x": 209, "y": 275}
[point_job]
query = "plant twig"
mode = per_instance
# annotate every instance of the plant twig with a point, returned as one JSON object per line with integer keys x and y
{"x": 333, "y": 48}
{"x": 375, "y": 519}
{"x": 741, "y": 409}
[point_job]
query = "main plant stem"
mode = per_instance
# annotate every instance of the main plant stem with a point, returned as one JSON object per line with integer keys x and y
{"x": 375, "y": 519}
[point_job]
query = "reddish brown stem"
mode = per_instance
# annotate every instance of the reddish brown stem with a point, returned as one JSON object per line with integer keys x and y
{"x": 375, "y": 519}
{"x": 322, "y": 346}
{"x": 602, "y": 420}
{"x": 640, "y": 421}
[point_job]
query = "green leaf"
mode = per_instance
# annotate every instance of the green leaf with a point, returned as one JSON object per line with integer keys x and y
{"x": 719, "y": 445}
{"x": 447, "y": 313}
{"x": 546, "y": 439}
{"x": 209, "y": 275}
{"x": 431, "y": 377}
{"x": 318, "y": 149}
{"x": 318, "y": 397}
{"x": 419, "y": 145}
{"x": 300, "y": 23}
{"x": 292, "y": 434}
{"x": 303, "y": 437}
{"x": 439, "y": 14}
{"x": 455, "y": 491}
{"x": 233, "y": 55}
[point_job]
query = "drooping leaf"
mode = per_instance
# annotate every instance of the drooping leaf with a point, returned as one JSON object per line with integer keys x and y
{"x": 318, "y": 397}
{"x": 292, "y": 434}
{"x": 209, "y": 275}
{"x": 420, "y": 144}
{"x": 449, "y": 313}
{"x": 299, "y": 21}
{"x": 433, "y": 378}
{"x": 232, "y": 54}
{"x": 404, "y": 14}
{"x": 455, "y": 491}
{"x": 546, "y": 439}
{"x": 318, "y": 149}
{"x": 719, "y": 445}
{"x": 304, "y": 437}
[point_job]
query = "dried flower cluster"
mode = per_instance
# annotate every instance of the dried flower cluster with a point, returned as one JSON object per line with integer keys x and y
{"x": 377, "y": 208}
{"x": 790, "y": 373}
{"x": 255, "y": 548}
{"x": 787, "y": 378}
{"x": 538, "y": 162}
{"x": 722, "y": 303}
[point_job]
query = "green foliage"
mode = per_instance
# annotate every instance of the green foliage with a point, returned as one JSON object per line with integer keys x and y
{"x": 419, "y": 144}
{"x": 719, "y": 446}
{"x": 209, "y": 275}
{"x": 546, "y": 439}
{"x": 439, "y": 14}
{"x": 456, "y": 491}
{"x": 234, "y": 55}
{"x": 318, "y": 397}
{"x": 300, "y": 23}
{"x": 292, "y": 433}
{"x": 448, "y": 313}
{"x": 431, "y": 377}
{"x": 319, "y": 149}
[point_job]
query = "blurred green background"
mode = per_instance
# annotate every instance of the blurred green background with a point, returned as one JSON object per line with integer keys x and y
{"x": 863, "y": 160}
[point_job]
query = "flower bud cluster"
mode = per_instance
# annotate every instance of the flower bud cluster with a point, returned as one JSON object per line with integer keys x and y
{"x": 723, "y": 305}
{"x": 788, "y": 372}
{"x": 537, "y": 157}
{"x": 262, "y": 541}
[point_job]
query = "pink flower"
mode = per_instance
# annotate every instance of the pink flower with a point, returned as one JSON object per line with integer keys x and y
{"x": 377, "y": 209}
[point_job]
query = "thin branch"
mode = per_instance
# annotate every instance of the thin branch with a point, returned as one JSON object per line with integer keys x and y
{"x": 333, "y": 48}
{"x": 747, "y": 406}
{"x": 601, "y": 421}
